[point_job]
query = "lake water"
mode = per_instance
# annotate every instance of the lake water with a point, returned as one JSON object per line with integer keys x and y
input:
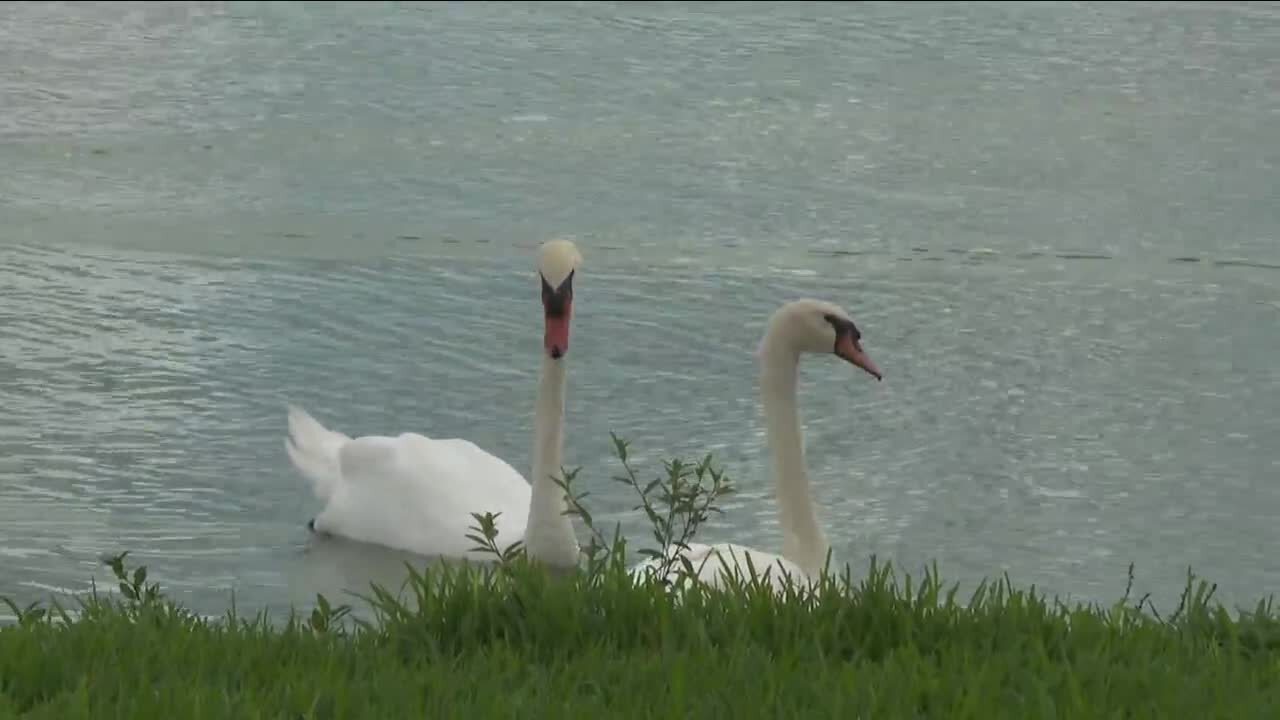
{"x": 1057, "y": 225}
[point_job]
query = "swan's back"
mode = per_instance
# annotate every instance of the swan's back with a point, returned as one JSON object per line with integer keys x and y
{"x": 711, "y": 562}
{"x": 416, "y": 493}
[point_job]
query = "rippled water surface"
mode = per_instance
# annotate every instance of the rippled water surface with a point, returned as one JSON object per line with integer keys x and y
{"x": 1056, "y": 223}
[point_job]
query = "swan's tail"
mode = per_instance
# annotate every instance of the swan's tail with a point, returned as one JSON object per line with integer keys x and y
{"x": 313, "y": 449}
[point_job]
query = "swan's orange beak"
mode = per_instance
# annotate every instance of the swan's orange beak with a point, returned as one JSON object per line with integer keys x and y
{"x": 851, "y": 350}
{"x": 556, "y": 336}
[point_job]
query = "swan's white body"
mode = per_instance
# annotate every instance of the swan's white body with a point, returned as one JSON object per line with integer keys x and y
{"x": 801, "y": 326}
{"x": 415, "y": 493}
{"x": 714, "y": 565}
{"x": 409, "y": 492}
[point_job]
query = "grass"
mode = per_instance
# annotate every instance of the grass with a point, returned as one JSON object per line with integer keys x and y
{"x": 510, "y": 640}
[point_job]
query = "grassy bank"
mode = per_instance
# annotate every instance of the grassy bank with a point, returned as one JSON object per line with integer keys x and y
{"x": 509, "y": 640}
{"x": 516, "y": 642}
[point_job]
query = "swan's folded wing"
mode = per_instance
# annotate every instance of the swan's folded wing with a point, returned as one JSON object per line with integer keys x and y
{"x": 418, "y": 494}
{"x": 744, "y": 562}
{"x": 696, "y": 554}
{"x": 712, "y": 563}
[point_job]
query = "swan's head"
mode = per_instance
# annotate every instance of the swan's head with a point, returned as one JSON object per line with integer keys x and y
{"x": 815, "y": 326}
{"x": 557, "y": 262}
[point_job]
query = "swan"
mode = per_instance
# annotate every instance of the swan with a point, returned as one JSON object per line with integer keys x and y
{"x": 798, "y": 327}
{"x": 417, "y": 493}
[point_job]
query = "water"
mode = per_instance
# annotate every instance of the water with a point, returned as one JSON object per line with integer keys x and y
{"x": 1055, "y": 223}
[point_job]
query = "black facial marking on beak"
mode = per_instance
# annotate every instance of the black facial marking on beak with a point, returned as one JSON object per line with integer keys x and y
{"x": 843, "y": 327}
{"x": 555, "y": 300}
{"x": 557, "y": 304}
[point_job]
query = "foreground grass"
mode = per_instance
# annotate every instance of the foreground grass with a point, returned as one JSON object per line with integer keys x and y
{"x": 515, "y": 642}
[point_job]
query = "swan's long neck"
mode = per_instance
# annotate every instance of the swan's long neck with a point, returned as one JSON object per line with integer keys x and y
{"x": 549, "y": 535}
{"x": 802, "y": 539}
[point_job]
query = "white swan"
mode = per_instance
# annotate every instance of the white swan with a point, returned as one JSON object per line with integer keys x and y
{"x": 800, "y": 326}
{"x": 417, "y": 494}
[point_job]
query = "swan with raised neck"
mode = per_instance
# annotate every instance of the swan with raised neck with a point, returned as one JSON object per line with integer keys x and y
{"x": 799, "y": 327}
{"x": 416, "y": 493}
{"x": 549, "y": 535}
